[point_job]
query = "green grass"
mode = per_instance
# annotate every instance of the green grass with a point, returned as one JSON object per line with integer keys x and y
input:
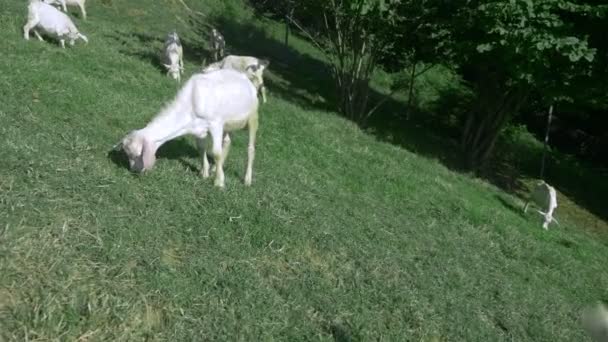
{"x": 341, "y": 237}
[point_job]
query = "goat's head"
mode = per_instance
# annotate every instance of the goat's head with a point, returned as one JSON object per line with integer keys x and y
{"x": 174, "y": 70}
{"x": 74, "y": 36}
{"x": 172, "y": 38}
{"x": 255, "y": 72}
{"x": 139, "y": 150}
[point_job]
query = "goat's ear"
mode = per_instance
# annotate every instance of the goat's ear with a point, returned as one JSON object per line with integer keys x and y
{"x": 148, "y": 156}
{"x": 118, "y": 146}
{"x": 264, "y": 63}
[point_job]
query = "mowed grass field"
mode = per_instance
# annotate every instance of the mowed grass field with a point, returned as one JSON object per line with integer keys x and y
{"x": 341, "y": 237}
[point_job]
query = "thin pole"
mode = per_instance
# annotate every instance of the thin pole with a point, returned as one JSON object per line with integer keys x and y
{"x": 546, "y": 143}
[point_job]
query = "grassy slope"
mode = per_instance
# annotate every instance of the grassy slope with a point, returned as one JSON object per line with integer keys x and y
{"x": 340, "y": 237}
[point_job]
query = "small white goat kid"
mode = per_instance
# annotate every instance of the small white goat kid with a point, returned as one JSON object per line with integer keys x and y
{"x": 252, "y": 66}
{"x": 63, "y": 3}
{"x": 173, "y": 56}
{"x": 51, "y": 21}
{"x": 217, "y": 103}
{"x": 218, "y": 44}
{"x": 545, "y": 197}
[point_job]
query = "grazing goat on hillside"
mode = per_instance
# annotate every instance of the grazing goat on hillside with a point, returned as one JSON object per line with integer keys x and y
{"x": 252, "y": 66}
{"x": 51, "y": 21}
{"x": 595, "y": 322}
{"x": 173, "y": 56}
{"x": 63, "y": 3}
{"x": 545, "y": 197}
{"x": 218, "y": 44}
{"x": 217, "y": 103}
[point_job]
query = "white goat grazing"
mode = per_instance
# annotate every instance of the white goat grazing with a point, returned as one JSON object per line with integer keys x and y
{"x": 218, "y": 44}
{"x": 52, "y": 21}
{"x": 595, "y": 322}
{"x": 545, "y": 197}
{"x": 254, "y": 67}
{"x": 173, "y": 56}
{"x": 63, "y": 3}
{"x": 217, "y": 103}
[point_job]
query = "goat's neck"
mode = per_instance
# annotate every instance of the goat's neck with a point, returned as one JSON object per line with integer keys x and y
{"x": 172, "y": 122}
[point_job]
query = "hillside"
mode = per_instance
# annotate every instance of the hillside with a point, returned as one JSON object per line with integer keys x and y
{"x": 341, "y": 237}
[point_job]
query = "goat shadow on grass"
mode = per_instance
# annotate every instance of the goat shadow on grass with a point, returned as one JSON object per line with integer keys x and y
{"x": 178, "y": 149}
{"x": 511, "y": 206}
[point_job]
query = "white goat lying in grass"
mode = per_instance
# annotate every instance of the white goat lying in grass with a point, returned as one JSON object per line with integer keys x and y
{"x": 250, "y": 65}
{"x": 173, "y": 56}
{"x": 63, "y": 3}
{"x": 595, "y": 322}
{"x": 545, "y": 197}
{"x": 51, "y": 21}
{"x": 217, "y": 102}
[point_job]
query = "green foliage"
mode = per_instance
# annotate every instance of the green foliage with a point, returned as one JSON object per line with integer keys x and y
{"x": 508, "y": 49}
{"x": 340, "y": 237}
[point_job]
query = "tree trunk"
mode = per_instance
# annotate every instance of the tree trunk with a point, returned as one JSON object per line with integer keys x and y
{"x": 411, "y": 92}
{"x": 484, "y": 124}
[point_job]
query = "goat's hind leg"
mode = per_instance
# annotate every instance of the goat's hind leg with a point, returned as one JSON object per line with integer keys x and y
{"x": 252, "y": 127}
{"x": 200, "y": 142}
{"x": 217, "y": 135}
{"x": 83, "y": 11}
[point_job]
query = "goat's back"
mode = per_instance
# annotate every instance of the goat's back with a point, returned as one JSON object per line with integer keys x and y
{"x": 50, "y": 18}
{"x": 223, "y": 95}
{"x": 544, "y": 196}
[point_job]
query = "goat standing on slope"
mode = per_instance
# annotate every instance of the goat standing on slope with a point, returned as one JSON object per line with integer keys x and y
{"x": 217, "y": 103}
{"x": 218, "y": 44}
{"x": 63, "y": 3}
{"x": 254, "y": 67}
{"x": 545, "y": 197}
{"x": 51, "y": 21}
{"x": 173, "y": 56}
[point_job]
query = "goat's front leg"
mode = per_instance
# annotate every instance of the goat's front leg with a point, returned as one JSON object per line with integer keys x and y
{"x": 62, "y": 41}
{"x": 263, "y": 91}
{"x": 31, "y": 23}
{"x": 253, "y": 127}
{"x": 548, "y": 218}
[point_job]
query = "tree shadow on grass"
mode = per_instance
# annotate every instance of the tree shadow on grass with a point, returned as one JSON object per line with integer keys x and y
{"x": 300, "y": 78}
{"x": 514, "y": 207}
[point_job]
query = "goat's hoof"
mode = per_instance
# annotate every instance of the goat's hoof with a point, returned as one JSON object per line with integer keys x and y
{"x": 247, "y": 181}
{"x": 219, "y": 184}
{"x": 204, "y": 174}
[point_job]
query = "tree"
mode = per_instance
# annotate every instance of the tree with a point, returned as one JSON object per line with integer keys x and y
{"x": 507, "y": 49}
